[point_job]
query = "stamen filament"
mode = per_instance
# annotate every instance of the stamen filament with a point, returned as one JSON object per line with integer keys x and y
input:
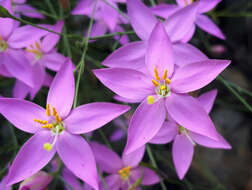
{"x": 156, "y": 74}
{"x": 155, "y": 82}
{"x": 37, "y": 45}
{"x": 48, "y": 146}
{"x": 48, "y": 112}
{"x": 56, "y": 115}
{"x": 48, "y": 126}
{"x": 41, "y": 121}
{"x": 190, "y": 139}
{"x": 165, "y": 74}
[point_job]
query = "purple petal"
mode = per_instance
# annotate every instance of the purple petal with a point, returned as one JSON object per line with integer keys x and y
{"x": 182, "y": 154}
{"x": 31, "y": 158}
{"x": 188, "y": 112}
{"x": 189, "y": 34}
{"x": 139, "y": 14}
{"x": 209, "y": 26}
{"x": 149, "y": 176}
{"x": 182, "y": 2}
{"x": 84, "y": 7}
{"x": 53, "y": 60}
{"x": 164, "y": 10}
{"x": 187, "y": 53}
{"x": 125, "y": 100}
{"x": 144, "y": 124}
{"x": 185, "y": 17}
{"x": 166, "y": 133}
{"x": 20, "y": 90}
{"x": 61, "y": 93}
{"x": 117, "y": 135}
{"x": 134, "y": 158}
{"x": 107, "y": 159}
{"x": 70, "y": 178}
{"x": 22, "y": 113}
{"x": 113, "y": 181}
{"x": 207, "y": 100}
{"x": 6, "y": 24}
{"x": 127, "y": 83}
{"x": 156, "y": 58}
{"x": 129, "y": 56}
{"x": 78, "y": 157}
{"x": 29, "y": 11}
{"x": 92, "y": 116}
{"x": 207, "y": 5}
{"x": 110, "y": 15}
{"x": 99, "y": 28}
{"x": 197, "y": 75}
{"x": 3, "y": 185}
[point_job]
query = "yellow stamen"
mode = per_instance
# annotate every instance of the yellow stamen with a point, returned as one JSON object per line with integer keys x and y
{"x": 165, "y": 74}
{"x": 48, "y": 146}
{"x": 168, "y": 81}
{"x": 156, "y": 74}
{"x": 162, "y": 87}
{"x": 150, "y": 99}
{"x": 1, "y": 37}
{"x": 48, "y": 126}
{"x": 155, "y": 82}
{"x": 37, "y": 45}
{"x": 32, "y": 51}
{"x": 41, "y": 121}
{"x": 48, "y": 112}
{"x": 56, "y": 115}
{"x": 125, "y": 172}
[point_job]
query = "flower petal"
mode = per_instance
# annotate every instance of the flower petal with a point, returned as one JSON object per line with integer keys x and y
{"x": 207, "y": 100}
{"x": 84, "y": 7}
{"x": 155, "y": 58}
{"x": 149, "y": 176}
{"x": 185, "y": 17}
{"x": 6, "y": 24}
{"x": 99, "y": 28}
{"x": 166, "y": 133}
{"x": 61, "y": 93}
{"x": 129, "y": 56}
{"x": 113, "y": 181}
{"x": 134, "y": 158}
{"x": 92, "y": 116}
{"x": 209, "y": 26}
{"x": 165, "y": 10}
{"x": 138, "y": 14}
{"x": 53, "y": 60}
{"x": 28, "y": 11}
{"x": 71, "y": 180}
{"x": 207, "y": 5}
{"x": 128, "y": 83}
{"x": 188, "y": 112}
{"x": 78, "y": 157}
{"x": 144, "y": 124}
{"x": 181, "y": 2}
{"x": 110, "y": 15}
{"x": 189, "y": 34}
{"x": 107, "y": 159}
{"x": 31, "y": 158}
{"x": 182, "y": 154}
{"x": 22, "y": 113}
{"x": 197, "y": 75}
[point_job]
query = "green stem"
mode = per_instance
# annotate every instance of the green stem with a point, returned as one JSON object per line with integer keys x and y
{"x": 50, "y": 6}
{"x": 105, "y": 139}
{"x": 240, "y": 89}
{"x": 153, "y": 161}
{"x": 14, "y": 138}
{"x": 118, "y": 10}
{"x": 152, "y": 2}
{"x": 102, "y": 179}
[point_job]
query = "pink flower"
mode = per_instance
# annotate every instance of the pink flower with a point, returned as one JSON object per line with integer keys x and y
{"x": 57, "y": 128}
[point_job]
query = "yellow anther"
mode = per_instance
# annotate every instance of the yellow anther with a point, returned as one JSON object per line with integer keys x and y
{"x": 32, "y": 51}
{"x": 165, "y": 74}
{"x": 41, "y": 121}
{"x": 54, "y": 112}
{"x": 56, "y": 115}
{"x": 162, "y": 87}
{"x": 48, "y": 112}
{"x": 48, "y": 146}
{"x": 1, "y": 37}
{"x": 155, "y": 82}
{"x": 48, "y": 126}
{"x": 156, "y": 74}
{"x": 37, "y": 45}
{"x": 168, "y": 81}
{"x": 150, "y": 99}
{"x": 125, "y": 172}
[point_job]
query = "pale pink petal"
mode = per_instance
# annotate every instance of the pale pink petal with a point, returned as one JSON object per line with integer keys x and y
{"x": 78, "y": 157}
{"x": 134, "y": 158}
{"x": 165, "y": 10}
{"x": 61, "y": 93}
{"x": 125, "y": 100}
{"x": 197, "y": 75}
{"x": 71, "y": 180}
{"x": 89, "y": 117}
{"x": 209, "y": 26}
{"x": 29, "y": 11}
{"x": 207, "y": 100}
{"x": 189, "y": 34}
{"x": 113, "y": 181}
{"x": 149, "y": 176}
{"x": 182, "y": 154}
{"x": 183, "y": 2}
{"x": 53, "y": 60}
{"x": 99, "y": 28}
{"x": 141, "y": 18}
{"x": 31, "y": 158}
{"x": 20, "y": 90}
{"x": 107, "y": 159}
{"x": 83, "y": 7}
{"x": 110, "y": 15}
{"x": 144, "y": 125}
{"x": 6, "y": 24}
{"x": 22, "y": 113}
{"x": 207, "y": 5}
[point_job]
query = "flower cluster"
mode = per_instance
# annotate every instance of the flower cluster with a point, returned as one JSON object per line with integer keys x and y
{"x": 160, "y": 71}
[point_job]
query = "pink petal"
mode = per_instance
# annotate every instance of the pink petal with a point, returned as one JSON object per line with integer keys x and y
{"x": 117, "y": 135}
{"x": 209, "y": 26}
{"x": 61, "y": 93}
{"x": 165, "y": 10}
{"x": 92, "y": 116}
{"x": 139, "y": 14}
{"x": 78, "y": 157}
{"x": 207, "y": 100}
{"x": 188, "y": 112}
{"x": 129, "y": 56}
{"x": 110, "y": 15}
{"x": 128, "y": 83}
{"x": 166, "y": 133}
{"x": 6, "y": 24}
{"x": 144, "y": 124}
{"x": 29, "y": 11}
{"x": 185, "y": 53}
{"x": 53, "y": 60}
{"x": 182, "y": 2}
{"x": 22, "y": 113}
{"x": 182, "y": 154}
{"x": 207, "y": 5}
{"x": 149, "y": 176}
{"x": 31, "y": 158}
{"x": 113, "y": 181}
{"x": 99, "y": 28}
{"x": 134, "y": 158}
{"x": 125, "y": 100}
{"x": 197, "y": 75}
{"x": 83, "y": 7}
{"x": 70, "y": 178}
{"x": 185, "y": 17}
{"x": 189, "y": 34}
{"x": 210, "y": 143}
{"x": 158, "y": 59}
{"x": 107, "y": 159}
{"x": 20, "y": 90}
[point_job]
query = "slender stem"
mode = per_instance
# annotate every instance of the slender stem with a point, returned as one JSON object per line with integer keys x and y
{"x": 67, "y": 184}
{"x": 82, "y": 61}
{"x": 14, "y": 138}
{"x": 50, "y": 6}
{"x": 112, "y": 35}
{"x": 118, "y": 10}
{"x": 102, "y": 179}
{"x": 240, "y": 89}
{"x": 105, "y": 139}
{"x": 153, "y": 161}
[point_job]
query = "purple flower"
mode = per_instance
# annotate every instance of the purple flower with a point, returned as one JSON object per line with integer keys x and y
{"x": 185, "y": 140}
{"x": 163, "y": 89}
{"x": 202, "y": 21}
{"x": 123, "y": 172}
{"x": 57, "y": 128}
{"x": 3, "y": 185}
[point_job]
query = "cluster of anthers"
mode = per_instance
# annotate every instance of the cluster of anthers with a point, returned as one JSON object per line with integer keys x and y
{"x": 162, "y": 86}
{"x": 55, "y": 125}
{"x": 3, "y": 44}
{"x": 125, "y": 173}
{"x": 36, "y": 50}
